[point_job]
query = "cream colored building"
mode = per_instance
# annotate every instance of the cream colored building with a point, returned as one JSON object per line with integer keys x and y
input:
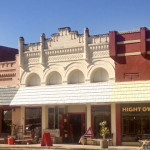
{"x": 65, "y": 76}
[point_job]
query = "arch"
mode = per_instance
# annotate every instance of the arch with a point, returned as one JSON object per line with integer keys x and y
{"x": 76, "y": 76}
{"x": 26, "y": 73}
{"x": 102, "y": 64}
{"x": 53, "y": 68}
{"x": 33, "y": 79}
{"x": 99, "y": 75}
{"x": 54, "y": 78}
{"x": 75, "y": 66}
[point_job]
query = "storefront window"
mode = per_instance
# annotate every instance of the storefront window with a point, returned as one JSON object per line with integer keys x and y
{"x": 135, "y": 121}
{"x": 33, "y": 121}
{"x": 99, "y": 114}
{"x": 6, "y": 121}
{"x": 55, "y": 118}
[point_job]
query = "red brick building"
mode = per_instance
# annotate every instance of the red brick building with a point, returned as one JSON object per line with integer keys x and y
{"x": 131, "y": 52}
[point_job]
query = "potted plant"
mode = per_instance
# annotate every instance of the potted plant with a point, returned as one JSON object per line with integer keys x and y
{"x": 12, "y": 137}
{"x": 103, "y": 131}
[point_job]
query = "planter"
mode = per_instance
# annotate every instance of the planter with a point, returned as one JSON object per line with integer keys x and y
{"x": 11, "y": 141}
{"x": 104, "y": 143}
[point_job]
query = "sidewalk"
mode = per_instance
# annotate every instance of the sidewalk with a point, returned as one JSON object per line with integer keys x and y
{"x": 63, "y": 147}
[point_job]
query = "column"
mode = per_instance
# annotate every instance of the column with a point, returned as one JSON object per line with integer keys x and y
{"x": 22, "y": 121}
{"x": 44, "y": 118}
{"x": 118, "y": 124}
{"x": 88, "y": 116}
{"x": 113, "y": 122}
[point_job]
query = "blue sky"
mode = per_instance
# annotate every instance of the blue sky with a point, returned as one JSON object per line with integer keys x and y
{"x": 30, "y": 18}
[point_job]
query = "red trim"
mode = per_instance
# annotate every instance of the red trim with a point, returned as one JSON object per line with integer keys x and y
{"x": 118, "y": 124}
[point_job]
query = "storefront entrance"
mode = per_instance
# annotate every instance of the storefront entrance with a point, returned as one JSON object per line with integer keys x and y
{"x": 135, "y": 121}
{"x": 73, "y": 126}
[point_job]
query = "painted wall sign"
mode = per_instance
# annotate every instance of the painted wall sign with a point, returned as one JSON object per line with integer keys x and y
{"x": 136, "y": 109}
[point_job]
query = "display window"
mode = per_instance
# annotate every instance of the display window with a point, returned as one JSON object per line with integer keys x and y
{"x": 55, "y": 118}
{"x": 6, "y": 121}
{"x": 135, "y": 121}
{"x": 99, "y": 114}
{"x": 33, "y": 119}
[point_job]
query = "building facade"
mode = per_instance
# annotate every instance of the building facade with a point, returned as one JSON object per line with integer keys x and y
{"x": 9, "y": 77}
{"x": 70, "y": 82}
{"x": 131, "y": 52}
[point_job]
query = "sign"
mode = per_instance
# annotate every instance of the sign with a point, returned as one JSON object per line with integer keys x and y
{"x": 136, "y": 109}
{"x": 53, "y": 132}
{"x": 89, "y": 132}
{"x": 46, "y": 140}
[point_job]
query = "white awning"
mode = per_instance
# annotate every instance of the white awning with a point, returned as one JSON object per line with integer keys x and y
{"x": 109, "y": 92}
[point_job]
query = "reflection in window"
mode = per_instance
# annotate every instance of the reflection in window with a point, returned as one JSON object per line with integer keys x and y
{"x": 55, "y": 118}
{"x": 33, "y": 121}
{"x": 99, "y": 114}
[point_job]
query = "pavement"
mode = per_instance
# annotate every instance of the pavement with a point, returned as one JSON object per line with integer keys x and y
{"x": 63, "y": 147}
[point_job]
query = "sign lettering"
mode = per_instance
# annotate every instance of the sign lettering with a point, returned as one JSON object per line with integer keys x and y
{"x": 135, "y": 109}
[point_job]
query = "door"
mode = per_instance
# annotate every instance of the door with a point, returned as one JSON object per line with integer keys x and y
{"x": 65, "y": 127}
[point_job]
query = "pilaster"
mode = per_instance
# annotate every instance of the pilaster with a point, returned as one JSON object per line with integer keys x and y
{"x": 112, "y": 44}
{"x": 42, "y": 43}
{"x": 143, "y": 40}
{"x": 22, "y": 121}
{"x": 88, "y": 116}
{"x": 21, "y": 49}
{"x": 44, "y": 118}
{"x": 113, "y": 122}
{"x": 86, "y": 35}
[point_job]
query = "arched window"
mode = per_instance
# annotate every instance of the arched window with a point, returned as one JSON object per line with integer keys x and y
{"x": 99, "y": 75}
{"x": 75, "y": 77}
{"x": 54, "y": 78}
{"x": 33, "y": 80}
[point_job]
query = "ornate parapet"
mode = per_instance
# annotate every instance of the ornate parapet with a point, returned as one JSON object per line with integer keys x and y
{"x": 66, "y": 45}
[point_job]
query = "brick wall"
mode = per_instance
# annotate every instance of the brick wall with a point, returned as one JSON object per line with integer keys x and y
{"x": 131, "y": 52}
{"x": 9, "y": 73}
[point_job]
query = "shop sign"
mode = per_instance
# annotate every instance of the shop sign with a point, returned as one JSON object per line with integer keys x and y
{"x": 136, "y": 109}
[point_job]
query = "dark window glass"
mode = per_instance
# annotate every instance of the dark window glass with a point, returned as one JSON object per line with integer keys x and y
{"x": 6, "y": 121}
{"x": 135, "y": 121}
{"x": 99, "y": 114}
{"x": 33, "y": 121}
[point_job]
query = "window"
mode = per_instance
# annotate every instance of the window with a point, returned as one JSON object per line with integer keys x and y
{"x": 135, "y": 121}
{"x": 55, "y": 118}
{"x": 99, "y": 114}
{"x": 6, "y": 121}
{"x": 33, "y": 120}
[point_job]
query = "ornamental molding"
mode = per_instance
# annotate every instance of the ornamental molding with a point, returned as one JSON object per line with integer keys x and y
{"x": 65, "y": 57}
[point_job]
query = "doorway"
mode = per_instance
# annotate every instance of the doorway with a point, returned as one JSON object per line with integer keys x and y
{"x": 73, "y": 126}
